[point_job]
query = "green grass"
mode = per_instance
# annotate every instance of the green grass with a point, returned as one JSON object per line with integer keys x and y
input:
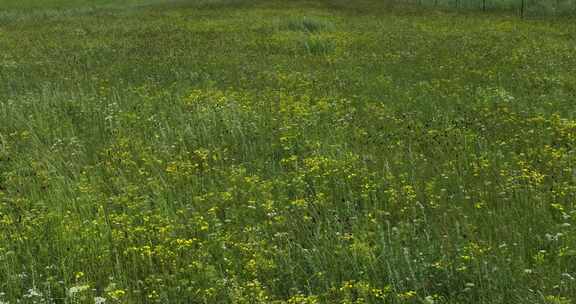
{"x": 251, "y": 151}
{"x": 308, "y": 25}
{"x": 531, "y": 7}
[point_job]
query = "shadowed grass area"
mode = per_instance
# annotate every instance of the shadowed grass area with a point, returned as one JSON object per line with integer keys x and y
{"x": 236, "y": 151}
{"x": 308, "y": 25}
{"x": 66, "y": 4}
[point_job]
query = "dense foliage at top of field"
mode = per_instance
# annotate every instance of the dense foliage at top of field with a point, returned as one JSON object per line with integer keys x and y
{"x": 523, "y": 7}
{"x": 531, "y": 7}
{"x": 70, "y": 4}
{"x": 289, "y": 152}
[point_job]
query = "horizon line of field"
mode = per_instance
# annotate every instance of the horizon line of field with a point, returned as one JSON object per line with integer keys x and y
{"x": 523, "y": 8}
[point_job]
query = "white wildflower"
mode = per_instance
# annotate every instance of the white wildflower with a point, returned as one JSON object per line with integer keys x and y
{"x": 77, "y": 289}
{"x": 32, "y": 292}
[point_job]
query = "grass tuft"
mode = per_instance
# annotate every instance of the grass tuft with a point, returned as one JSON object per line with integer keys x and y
{"x": 309, "y": 25}
{"x": 318, "y": 45}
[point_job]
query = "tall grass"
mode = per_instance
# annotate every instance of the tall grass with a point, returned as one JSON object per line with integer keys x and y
{"x": 285, "y": 152}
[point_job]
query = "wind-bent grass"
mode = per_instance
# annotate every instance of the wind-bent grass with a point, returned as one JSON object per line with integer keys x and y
{"x": 285, "y": 152}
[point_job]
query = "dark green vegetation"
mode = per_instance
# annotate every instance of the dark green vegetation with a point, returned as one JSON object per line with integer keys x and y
{"x": 521, "y": 7}
{"x": 285, "y": 152}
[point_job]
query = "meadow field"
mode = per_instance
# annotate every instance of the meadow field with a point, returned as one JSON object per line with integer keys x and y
{"x": 286, "y": 152}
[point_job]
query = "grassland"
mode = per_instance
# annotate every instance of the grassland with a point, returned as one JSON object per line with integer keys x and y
{"x": 291, "y": 152}
{"x": 520, "y": 7}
